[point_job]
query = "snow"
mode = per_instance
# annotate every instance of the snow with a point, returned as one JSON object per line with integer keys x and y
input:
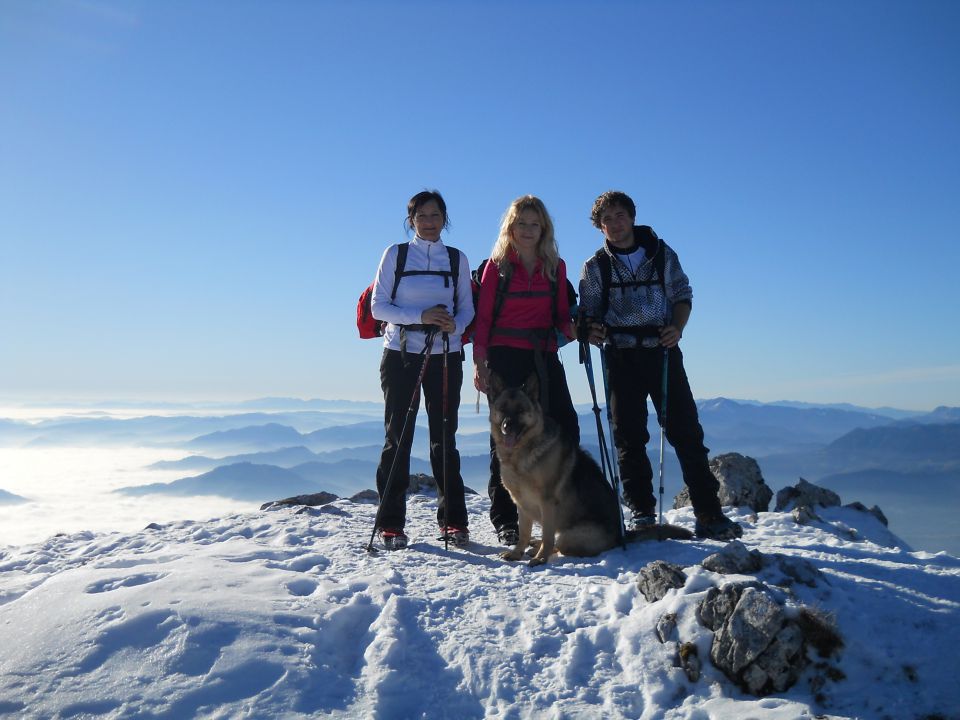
{"x": 284, "y": 614}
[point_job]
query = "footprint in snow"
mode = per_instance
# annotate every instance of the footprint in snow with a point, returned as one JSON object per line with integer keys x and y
{"x": 128, "y": 581}
{"x": 302, "y": 587}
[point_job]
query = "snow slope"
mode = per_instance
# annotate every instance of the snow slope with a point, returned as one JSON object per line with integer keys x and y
{"x": 278, "y": 614}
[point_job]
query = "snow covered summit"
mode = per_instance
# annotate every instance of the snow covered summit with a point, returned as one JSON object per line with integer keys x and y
{"x": 284, "y": 614}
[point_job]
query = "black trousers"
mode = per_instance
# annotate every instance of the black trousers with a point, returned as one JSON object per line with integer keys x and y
{"x": 514, "y": 366}
{"x": 633, "y": 375}
{"x": 398, "y": 381}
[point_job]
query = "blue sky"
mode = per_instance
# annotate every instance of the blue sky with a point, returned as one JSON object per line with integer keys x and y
{"x": 193, "y": 194}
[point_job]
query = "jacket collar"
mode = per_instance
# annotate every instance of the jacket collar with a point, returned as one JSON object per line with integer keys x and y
{"x": 421, "y": 243}
{"x": 644, "y": 237}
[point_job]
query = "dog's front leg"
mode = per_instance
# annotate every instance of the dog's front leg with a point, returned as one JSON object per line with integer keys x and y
{"x": 549, "y": 527}
{"x": 525, "y": 527}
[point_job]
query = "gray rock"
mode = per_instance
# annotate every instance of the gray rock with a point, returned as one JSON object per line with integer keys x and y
{"x": 718, "y": 605}
{"x": 755, "y": 644}
{"x": 366, "y": 496}
{"x": 423, "y": 483}
{"x": 419, "y": 483}
{"x": 741, "y": 483}
{"x": 666, "y": 626}
{"x": 658, "y": 578}
{"x": 875, "y": 511}
{"x": 780, "y": 665}
{"x": 804, "y": 514}
{"x": 805, "y": 493}
{"x": 755, "y": 622}
{"x": 324, "y": 510}
{"x": 734, "y": 559}
{"x": 311, "y": 500}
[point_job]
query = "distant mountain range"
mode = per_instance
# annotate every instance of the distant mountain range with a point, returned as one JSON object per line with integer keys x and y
{"x": 155, "y": 430}
{"x": 8, "y": 498}
{"x": 901, "y": 447}
{"x": 898, "y": 457}
{"x": 243, "y": 481}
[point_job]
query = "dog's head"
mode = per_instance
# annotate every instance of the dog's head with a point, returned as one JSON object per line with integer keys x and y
{"x": 514, "y": 411}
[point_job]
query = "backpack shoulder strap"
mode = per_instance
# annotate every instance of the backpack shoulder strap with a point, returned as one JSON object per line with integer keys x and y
{"x": 505, "y": 272}
{"x": 660, "y": 263}
{"x": 454, "y": 256}
{"x": 606, "y": 279}
{"x": 402, "y": 250}
{"x": 556, "y": 301}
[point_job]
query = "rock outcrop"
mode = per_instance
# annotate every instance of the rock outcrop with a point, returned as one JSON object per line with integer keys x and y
{"x": 311, "y": 500}
{"x": 741, "y": 483}
{"x": 761, "y": 641}
{"x": 805, "y": 494}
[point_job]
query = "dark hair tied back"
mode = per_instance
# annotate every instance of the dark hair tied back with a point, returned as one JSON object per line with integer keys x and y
{"x": 421, "y": 199}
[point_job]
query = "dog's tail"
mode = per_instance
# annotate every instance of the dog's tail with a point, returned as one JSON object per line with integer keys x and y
{"x": 659, "y": 532}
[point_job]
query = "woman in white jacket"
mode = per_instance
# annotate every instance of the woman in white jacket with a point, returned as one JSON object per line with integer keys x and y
{"x": 429, "y": 298}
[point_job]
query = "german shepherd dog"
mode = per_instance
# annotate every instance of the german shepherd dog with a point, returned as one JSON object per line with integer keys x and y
{"x": 554, "y": 482}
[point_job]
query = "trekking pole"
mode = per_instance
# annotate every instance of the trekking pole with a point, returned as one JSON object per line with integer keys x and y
{"x": 587, "y": 361}
{"x": 663, "y": 421}
{"x": 414, "y": 402}
{"x": 605, "y": 463}
{"x": 612, "y": 460}
{"x": 443, "y": 444}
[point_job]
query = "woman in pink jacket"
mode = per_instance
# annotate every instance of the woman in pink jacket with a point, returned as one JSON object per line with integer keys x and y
{"x": 523, "y": 304}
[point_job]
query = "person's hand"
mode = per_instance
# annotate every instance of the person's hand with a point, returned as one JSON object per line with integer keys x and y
{"x": 670, "y": 336}
{"x": 596, "y": 332}
{"x": 438, "y": 315}
{"x": 481, "y": 376}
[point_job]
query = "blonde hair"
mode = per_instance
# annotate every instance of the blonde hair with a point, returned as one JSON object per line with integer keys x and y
{"x": 547, "y": 247}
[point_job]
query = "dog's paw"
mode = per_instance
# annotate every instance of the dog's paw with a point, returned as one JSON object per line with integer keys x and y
{"x": 534, "y": 561}
{"x": 511, "y": 555}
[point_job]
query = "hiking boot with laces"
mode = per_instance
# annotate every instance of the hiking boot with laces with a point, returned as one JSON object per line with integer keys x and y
{"x": 508, "y": 535}
{"x": 393, "y": 538}
{"x": 454, "y": 533}
{"x": 717, "y": 527}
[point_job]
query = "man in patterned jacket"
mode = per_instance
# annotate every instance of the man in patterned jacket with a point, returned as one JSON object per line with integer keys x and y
{"x": 635, "y": 301}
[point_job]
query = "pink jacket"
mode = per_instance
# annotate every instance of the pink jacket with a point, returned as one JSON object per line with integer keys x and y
{"x": 535, "y": 309}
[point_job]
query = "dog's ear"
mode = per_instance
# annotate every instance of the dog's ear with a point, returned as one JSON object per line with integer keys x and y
{"x": 494, "y": 385}
{"x": 532, "y": 387}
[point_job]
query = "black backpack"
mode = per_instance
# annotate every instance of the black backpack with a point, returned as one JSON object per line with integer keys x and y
{"x": 605, "y": 265}
{"x": 367, "y": 325}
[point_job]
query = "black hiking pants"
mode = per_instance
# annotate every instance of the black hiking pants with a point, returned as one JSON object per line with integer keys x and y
{"x": 635, "y": 374}
{"x": 398, "y": 381}
{"x": 514, "y": 366}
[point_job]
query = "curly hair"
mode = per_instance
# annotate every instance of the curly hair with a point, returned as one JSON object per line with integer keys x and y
{"x": 608, "y": 200}
{"x": 546, "y": 248}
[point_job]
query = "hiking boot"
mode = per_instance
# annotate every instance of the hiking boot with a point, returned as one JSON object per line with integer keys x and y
{"x": 717, "y": 527}
{"x": 393, "y": 538}
{"x": 454, "y": 533}
{"x": 508, "y": 535}
{"x": 641, "y": 521}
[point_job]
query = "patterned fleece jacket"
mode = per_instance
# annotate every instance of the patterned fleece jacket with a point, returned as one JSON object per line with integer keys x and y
{"x": 640, "y": 304}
